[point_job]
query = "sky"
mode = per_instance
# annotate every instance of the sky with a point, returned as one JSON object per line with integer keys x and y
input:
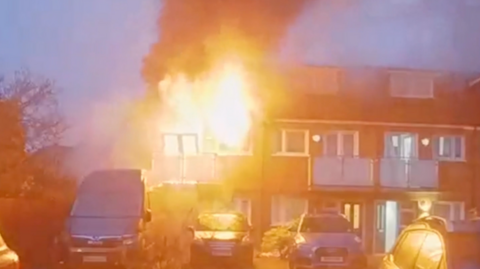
{"x": 418, "y": 34}
{"x": 91, "y": 48}
{"x": 94, "y": 48}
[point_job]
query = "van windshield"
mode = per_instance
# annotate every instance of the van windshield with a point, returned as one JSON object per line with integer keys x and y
{"x": 107, "y": 204}
{"x": 325, "y": 224}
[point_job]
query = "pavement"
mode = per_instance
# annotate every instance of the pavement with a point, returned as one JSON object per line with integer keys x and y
{"x": 270, "y": 263}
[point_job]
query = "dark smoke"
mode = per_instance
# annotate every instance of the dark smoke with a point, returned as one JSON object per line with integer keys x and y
{"x": 187, "y": 26}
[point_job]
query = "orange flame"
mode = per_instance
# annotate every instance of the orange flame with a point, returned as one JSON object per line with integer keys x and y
{"x": 218, "y": 102}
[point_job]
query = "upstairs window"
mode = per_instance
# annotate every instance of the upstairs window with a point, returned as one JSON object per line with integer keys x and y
{"x": 343, "y": 143}
{"x": 291, "y": 142}
{"x": 211, "y": 145}
{"x": 411, "y": 85}
{"x": 180, "y": 144}
{"x": 322, "y": 80}
{"x": 449, "y": 148}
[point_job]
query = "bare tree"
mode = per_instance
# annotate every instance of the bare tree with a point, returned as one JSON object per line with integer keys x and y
{"x": 36, "y": 97}
{"x": 30, "y": 120}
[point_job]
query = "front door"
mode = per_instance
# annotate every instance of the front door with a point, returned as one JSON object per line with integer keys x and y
{"x": 353, "y": 212}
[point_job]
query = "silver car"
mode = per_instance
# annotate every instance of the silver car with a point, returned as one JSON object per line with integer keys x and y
{"x": 326, "y": 240}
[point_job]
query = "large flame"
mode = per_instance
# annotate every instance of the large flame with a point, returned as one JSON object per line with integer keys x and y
{"x": 217, "y": 103}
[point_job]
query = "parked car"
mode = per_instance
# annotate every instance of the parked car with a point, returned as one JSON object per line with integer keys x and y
{"x": 433, "y": 243}
{"x": 221, "y": 237}
{"x": 328, "y": 240}
{"x": 8, "y": 258}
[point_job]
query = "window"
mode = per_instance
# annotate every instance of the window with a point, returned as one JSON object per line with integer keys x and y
{"x": 452, "y": 211}
{"x": 171, "y": 144}
{"x": 211, "y": 145}
{"x": 449, "y": 148}
{"x": 431, "y": 253}
{"x": 291, "y": 142}
{"x": 341, "y": 144}
{"x": 177, "y": 144}
{"x": 285, "y": 209}
{"x": 410, "y": 85}
{"x": 324, "y": 80}
{"x": 401, "y": 145}
{"x": 407, "y": 248}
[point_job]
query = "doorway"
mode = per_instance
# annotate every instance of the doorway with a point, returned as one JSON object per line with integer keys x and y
{"x": 353, "y": 211}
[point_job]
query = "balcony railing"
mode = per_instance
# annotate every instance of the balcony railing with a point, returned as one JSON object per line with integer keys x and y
{"x": 408, "y": 173}
{"x": 198, "y": 168}
{"x": 343, "y": 171}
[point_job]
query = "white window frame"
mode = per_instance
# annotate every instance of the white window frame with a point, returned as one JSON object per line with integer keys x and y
{"x": 452, "y": 149}
{"x": 284, "y": 141}
{"x": 340, "y": 144}
{"x": 180, "y": 144}
{"x": 410, "y": 78}
{"x": 387, "y": 139}
{"x": 335, "y": 75}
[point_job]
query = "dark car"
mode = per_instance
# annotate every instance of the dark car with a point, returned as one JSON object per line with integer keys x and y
{"x": 8, "y": 258}
{"x": 109, "y": 222}
{"x": 433, "y": 243}
{"x": 326, "y": 240}
{"x": 221, "y": 237}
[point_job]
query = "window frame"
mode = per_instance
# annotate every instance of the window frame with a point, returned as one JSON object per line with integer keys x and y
{"x": 340, "y": 143}
{"x": 217, "y": 151}
{"x": 451, "y": 158}
{"x": 452, "y": 208}
{"x": 410, "y": 77}
{"x": 180, "y": 144}
{"x": 284, "y": 142}
{"x": 387, "y": 140}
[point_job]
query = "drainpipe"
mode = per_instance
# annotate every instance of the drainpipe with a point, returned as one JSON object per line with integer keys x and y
{"x": 474, "y": 167}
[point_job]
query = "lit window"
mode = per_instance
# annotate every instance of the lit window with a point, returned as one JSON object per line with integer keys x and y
{"x": 189, "y": 144}
{"x": 171, "y": 145}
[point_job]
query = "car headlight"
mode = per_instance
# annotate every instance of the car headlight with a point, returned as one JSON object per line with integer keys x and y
{"x": 357, "y": 239}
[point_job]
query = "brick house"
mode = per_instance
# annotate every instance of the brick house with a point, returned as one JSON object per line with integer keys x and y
{"x": 371, "y": 143}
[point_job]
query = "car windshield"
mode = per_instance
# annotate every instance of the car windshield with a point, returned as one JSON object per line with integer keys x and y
{"x": 325, "y": 224}
{"x": 222, "y": 222}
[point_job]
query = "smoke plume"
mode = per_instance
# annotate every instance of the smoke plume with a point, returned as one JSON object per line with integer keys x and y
{"x": 194, "y": 32}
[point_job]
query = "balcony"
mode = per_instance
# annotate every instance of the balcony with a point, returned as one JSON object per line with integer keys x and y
{"x": 342, "y": 172}
{"x": 408, "y": 173}
{"x": 199, "y": 168}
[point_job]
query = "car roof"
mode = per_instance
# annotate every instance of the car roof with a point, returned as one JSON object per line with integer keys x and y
{"x": 323, "y": 214}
